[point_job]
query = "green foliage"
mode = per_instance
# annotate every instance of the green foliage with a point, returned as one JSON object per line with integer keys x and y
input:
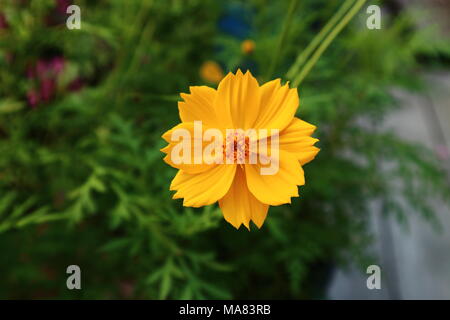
{"x": 82, "y": 179}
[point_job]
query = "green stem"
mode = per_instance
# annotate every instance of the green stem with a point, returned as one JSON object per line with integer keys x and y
{"x": 282, "y": 38}
{"x": 133, "y": 32}
{"x": 311, "y": 62}
{"x": 293, "y": 70}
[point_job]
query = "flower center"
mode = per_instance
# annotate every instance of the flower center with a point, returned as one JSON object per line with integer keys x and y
{"x": 236, "y": 147}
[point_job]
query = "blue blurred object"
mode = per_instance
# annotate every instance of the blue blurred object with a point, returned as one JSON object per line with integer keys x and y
{"x": 236, "y": 21}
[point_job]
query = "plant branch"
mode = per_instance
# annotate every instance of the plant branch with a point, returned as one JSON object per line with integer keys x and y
{"x": 282, "y": 38}
{"x": 331, "y": 36}
{"x": 294, "y": 69}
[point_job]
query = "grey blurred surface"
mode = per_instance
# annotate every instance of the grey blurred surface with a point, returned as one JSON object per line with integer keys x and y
{"x": 415, "y": 262}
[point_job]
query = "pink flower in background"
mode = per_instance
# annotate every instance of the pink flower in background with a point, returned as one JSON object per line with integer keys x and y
{"x": 61, "y": 5}
{"x": 41, "y": 68}
{"x": 33, "y": 98}
{"x": 57, "y": 64}
{"x": 3, "y": 23}
{"x": 45, "y": 73}
{"x": 58, "y": 15}
{"x": 48, "y": 68}
{"x": 47, "y": 89}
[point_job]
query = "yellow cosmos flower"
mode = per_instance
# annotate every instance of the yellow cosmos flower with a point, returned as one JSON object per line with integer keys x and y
{"x": 244, "y": 193}
{"x": 211, "y": 71}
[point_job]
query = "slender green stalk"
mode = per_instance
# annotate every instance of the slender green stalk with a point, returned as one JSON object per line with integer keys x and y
{"x": 132, "y": 33}
{"x": 311, "y": 62}
{"x": 293, "y": 70}
{"x": 282, "y": 38}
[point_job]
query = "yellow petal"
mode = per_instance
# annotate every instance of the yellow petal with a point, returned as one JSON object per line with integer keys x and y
{"x": 276, "y": 189}
{"x": 306, "y": 156}
{"x": 278, "y": 105}
{"x": 189, "y": 166}
{"x": 238, "y": 99}
{"x": 239, "y": 206}
{"x": 199, "y": 106}
{"x": 203, "y": 188}
{"x": 300, "y": 127}
{"x": 296, "y": 140}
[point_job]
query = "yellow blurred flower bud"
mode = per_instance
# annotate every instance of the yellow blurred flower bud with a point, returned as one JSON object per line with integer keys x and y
{"x": 247, "y": 46}
{"x": 211, "y": 71}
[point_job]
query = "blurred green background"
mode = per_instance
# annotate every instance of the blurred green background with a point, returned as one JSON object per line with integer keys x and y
{"x": 82, "y": 179}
